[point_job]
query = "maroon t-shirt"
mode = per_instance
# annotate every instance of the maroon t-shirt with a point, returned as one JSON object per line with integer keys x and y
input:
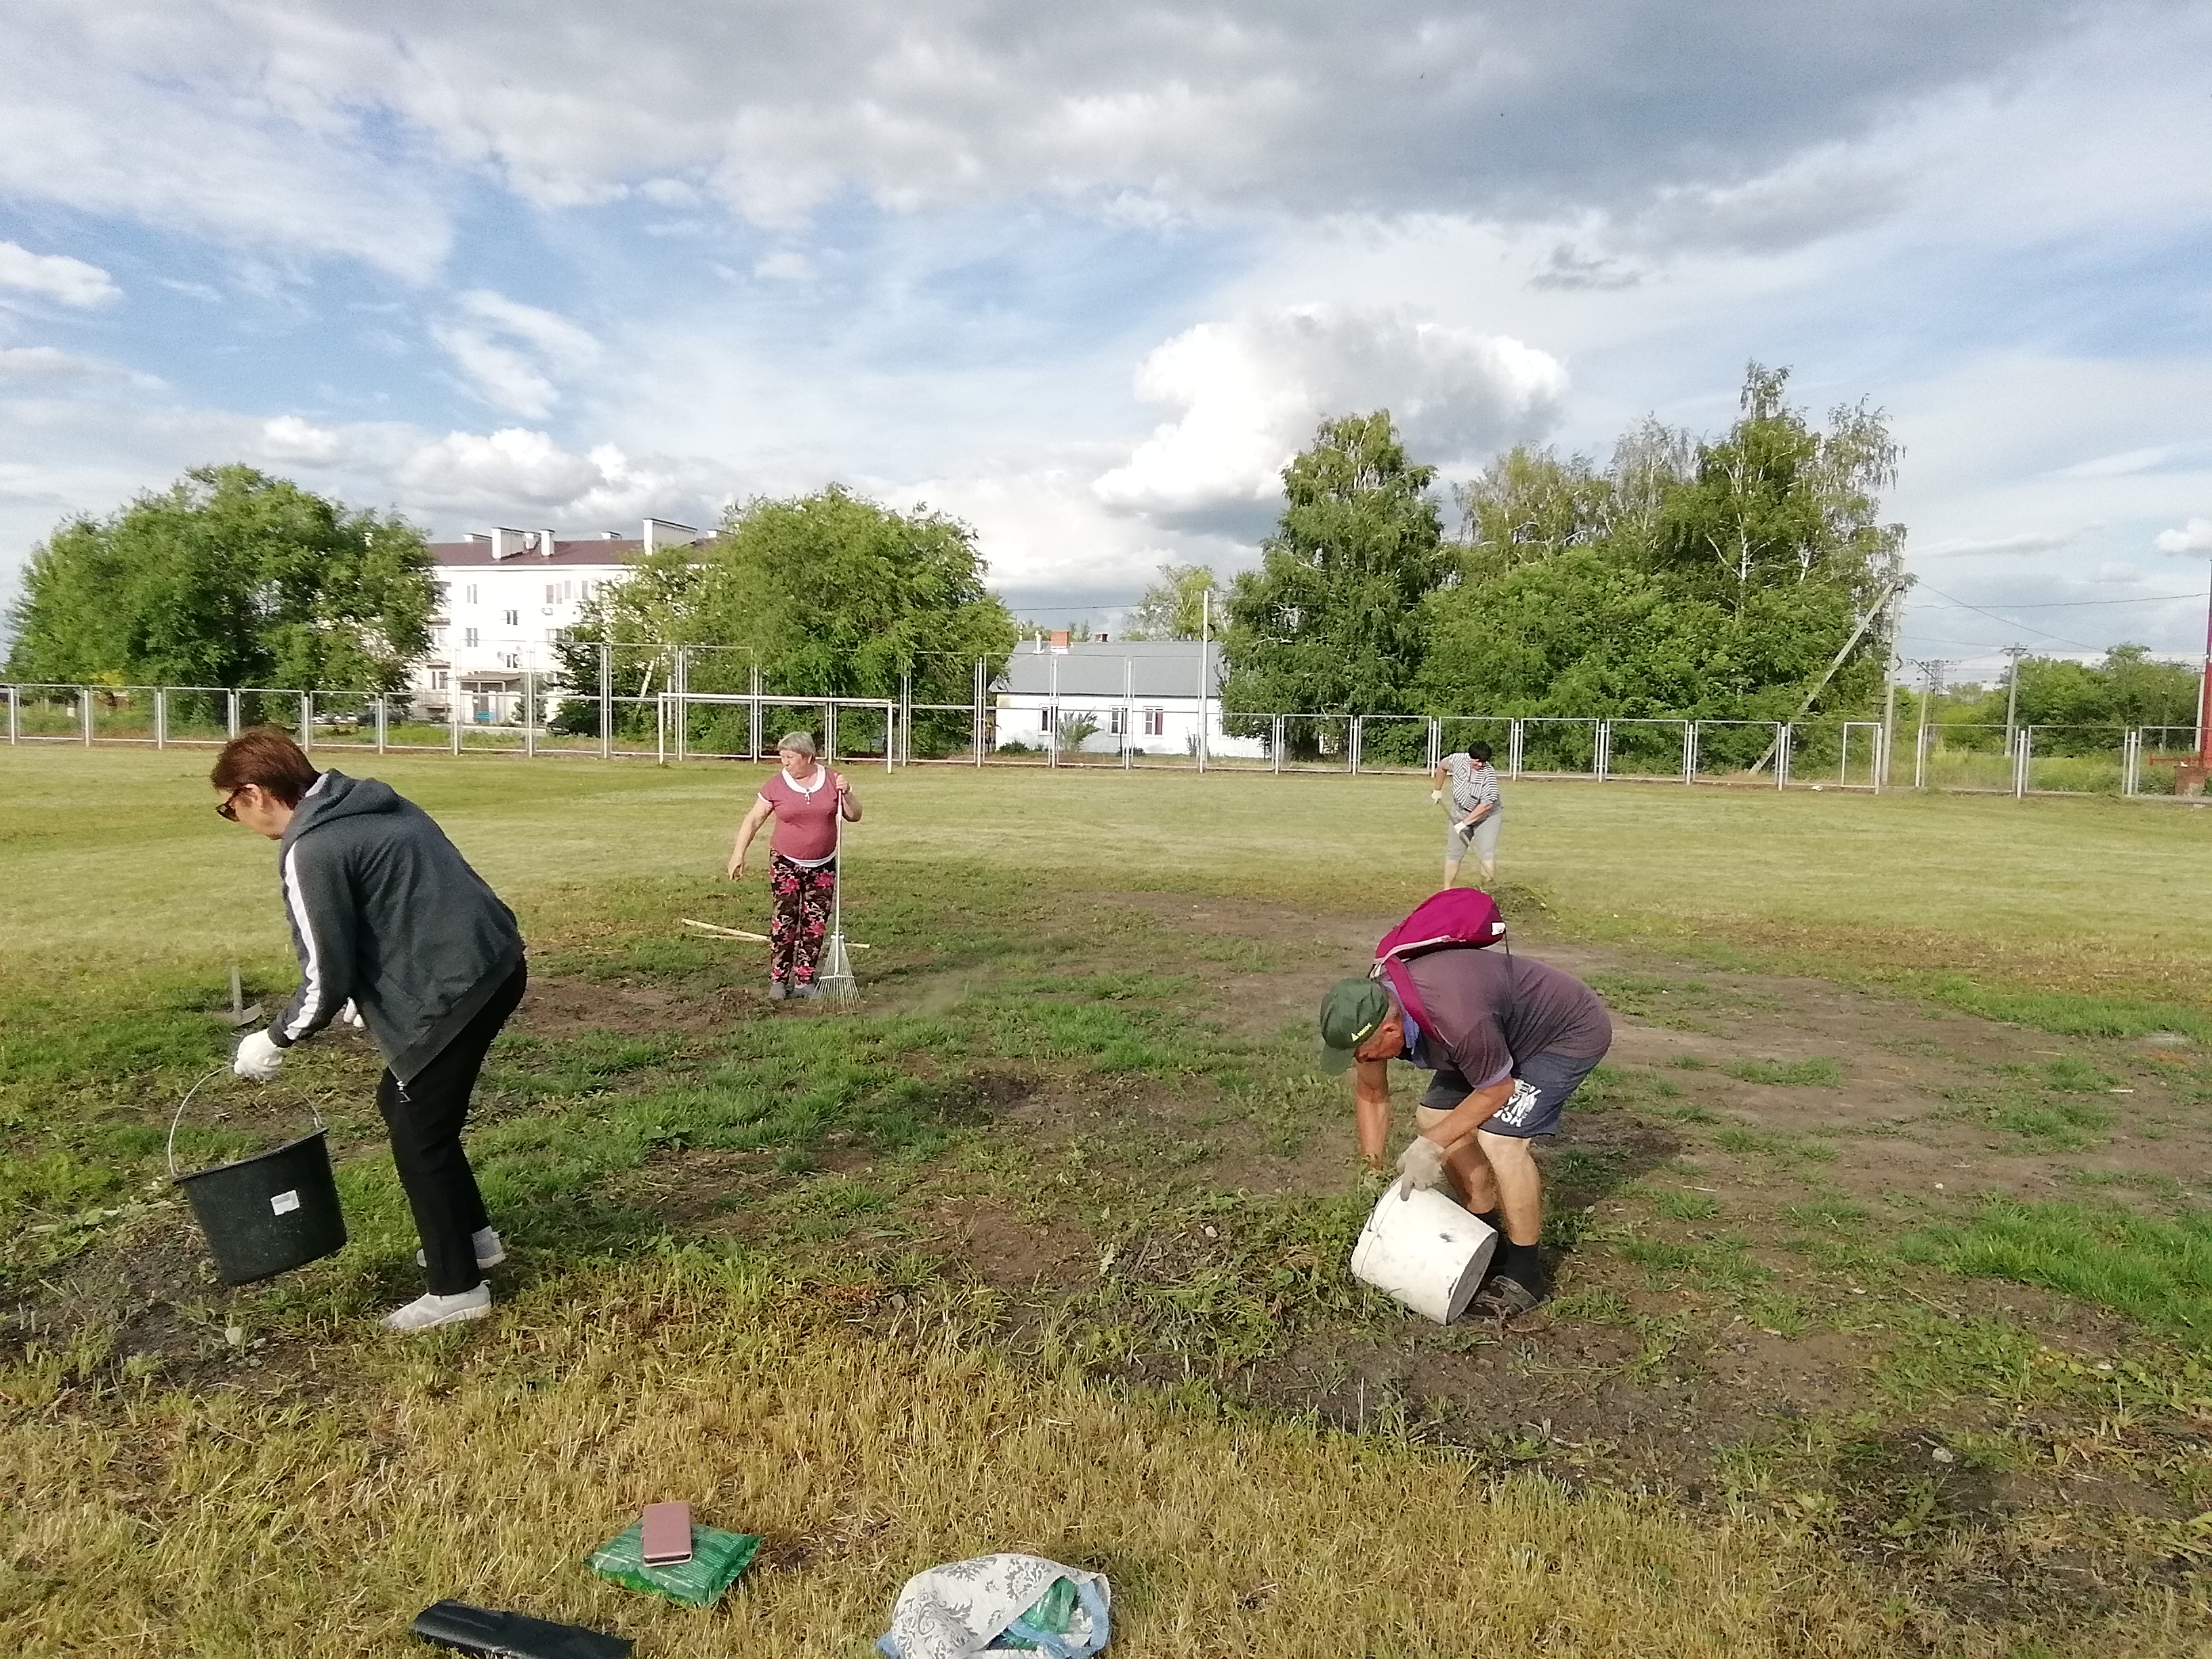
{"x": 805, "y": 819}
{"x": 1487, "y": 1010}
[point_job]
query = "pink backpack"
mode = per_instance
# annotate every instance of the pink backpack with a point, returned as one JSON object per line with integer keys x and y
{"x": 1459, "y": 918}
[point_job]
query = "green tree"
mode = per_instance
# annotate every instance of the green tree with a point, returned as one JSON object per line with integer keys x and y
{"x": 228, "y": 578}
{"x": 1332, "y": 621}
{"x": 1528, "y": 504}
{"x": 1173, "y": 608}
{"x": 828, "y": 594}
{"x": 1719, "y": 579}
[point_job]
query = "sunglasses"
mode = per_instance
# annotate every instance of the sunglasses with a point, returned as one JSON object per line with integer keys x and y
{"x": 227, "y": 807}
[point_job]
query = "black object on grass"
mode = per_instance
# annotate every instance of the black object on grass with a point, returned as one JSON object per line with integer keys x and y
{"x": 513, "y": 1635}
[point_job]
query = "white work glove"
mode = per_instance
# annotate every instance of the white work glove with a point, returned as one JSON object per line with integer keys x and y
{"x": 1420, "y": 1166}
{"x": 350, "y": 1015}
{"x": 257, "y": 1057}
{"x": 1435, "y": 797}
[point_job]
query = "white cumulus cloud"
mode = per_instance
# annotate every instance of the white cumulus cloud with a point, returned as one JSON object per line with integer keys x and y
{"x": 56, "y": 275}
{"x": 2195, "y": 536}
{"x": 1249, "y": 392}
{"x": 511, "y": 468}
{"x": 289, "y": 438}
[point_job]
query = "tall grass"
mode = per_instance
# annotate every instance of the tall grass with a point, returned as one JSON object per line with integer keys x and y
{"x": 488, "y": 1467}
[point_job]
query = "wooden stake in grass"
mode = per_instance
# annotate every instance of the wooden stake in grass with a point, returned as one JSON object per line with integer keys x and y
{"x": 739, "y": 933}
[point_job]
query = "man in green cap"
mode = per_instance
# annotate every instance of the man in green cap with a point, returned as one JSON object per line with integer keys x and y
{"x": 1509, "y": 1039}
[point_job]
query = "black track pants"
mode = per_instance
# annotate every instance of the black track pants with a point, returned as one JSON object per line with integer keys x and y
{"x": 425, "y": 1119}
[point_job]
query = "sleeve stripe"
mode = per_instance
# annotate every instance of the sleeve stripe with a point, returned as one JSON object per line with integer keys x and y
{"x": 315, "y": 983}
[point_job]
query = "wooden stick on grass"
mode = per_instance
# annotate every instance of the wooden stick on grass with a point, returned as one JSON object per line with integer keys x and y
{"x": 739, "y": 933}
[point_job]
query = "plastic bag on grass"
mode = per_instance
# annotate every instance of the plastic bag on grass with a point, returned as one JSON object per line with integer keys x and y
{"x": 717, "y": 1558}
{"x": 999, "y": 1604}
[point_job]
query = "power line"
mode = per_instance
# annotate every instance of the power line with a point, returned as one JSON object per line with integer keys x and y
{"x": 2069, "y": 605}
{"x": 2009, "y": 622}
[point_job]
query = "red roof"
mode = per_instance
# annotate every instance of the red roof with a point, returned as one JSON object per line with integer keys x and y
{"x": 597, "y": 550}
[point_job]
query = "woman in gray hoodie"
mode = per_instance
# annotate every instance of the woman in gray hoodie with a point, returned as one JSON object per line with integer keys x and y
{"x": 395, "y": 933}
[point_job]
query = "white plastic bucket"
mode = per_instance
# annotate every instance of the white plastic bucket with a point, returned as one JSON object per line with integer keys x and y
{"x": 1423, "y": 1250}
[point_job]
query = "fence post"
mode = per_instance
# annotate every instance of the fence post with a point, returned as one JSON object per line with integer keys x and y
{"x": 161, "y": 718}
{"x": 1920, "y": 758}
{"x": 231, "y": 716}
{"x": 84, "y": 716}
{"x": 2023, "y": 747}
{"x": 979, "y": 711}
{"x": 1052, "y": 715}
{"x": 1880, "y": 759}
{"x": 1275, "y": 747}
{"x": 606, "y": 700}
{"x": 453, "y": 716}
{"x": 753, "y": 714}
{"x": 828, "y": 730}
{"x": 1513, "y": 748}
{"x": 307, "y": 720}
{"x": 1689, "y": 751}
{"x": 1355, "y": 730}
{"x": 680, "y": 671}
{"x": 1784, "y": 740}
{"x": 15, "y": 715}
{"x": 1128, "y": 712}
{"x": 383, "y": 721}
{"x": 660, "y": 729}
{"x": 529, "y": 714}
{"x": 2130, "y": 762}
{"x": 890, "y": 732}
{"x": 1602, "y": 751}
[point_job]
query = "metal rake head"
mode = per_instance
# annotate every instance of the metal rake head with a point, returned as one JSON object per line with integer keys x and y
{"x": 835, "y": 978}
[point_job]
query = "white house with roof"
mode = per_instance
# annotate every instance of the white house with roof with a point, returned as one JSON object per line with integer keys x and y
{"x": 1144, "y": 694}
{"x": 504, "y": 597}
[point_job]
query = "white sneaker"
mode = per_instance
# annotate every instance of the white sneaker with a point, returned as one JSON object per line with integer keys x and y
{"x": 428, "y": 1312}
{"x": 489, "y": 1251}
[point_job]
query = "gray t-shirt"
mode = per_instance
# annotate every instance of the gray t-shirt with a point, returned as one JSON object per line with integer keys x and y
{"x": 1488, "y": 1010}
{"x": 1471, "y": 786}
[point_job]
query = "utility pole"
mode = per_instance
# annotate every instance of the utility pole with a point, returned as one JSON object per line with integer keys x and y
{"x": 2012, "y": 698}
{"x": 1205, "y": 651}
{"x": 2205, "y": 693}
{"x": 1889, "y": 697}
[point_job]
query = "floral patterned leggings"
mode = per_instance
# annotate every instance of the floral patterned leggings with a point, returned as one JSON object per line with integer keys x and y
{"x": 798, "y": 918}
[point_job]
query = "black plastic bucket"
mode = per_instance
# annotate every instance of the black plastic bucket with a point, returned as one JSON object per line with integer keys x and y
{"x": 269, "y": 1213}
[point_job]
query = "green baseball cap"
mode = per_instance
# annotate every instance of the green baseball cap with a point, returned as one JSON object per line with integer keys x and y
{"x": 1350, "y": 1014}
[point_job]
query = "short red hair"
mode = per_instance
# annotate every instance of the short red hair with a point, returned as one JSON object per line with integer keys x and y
{"x": 264, "y": 754}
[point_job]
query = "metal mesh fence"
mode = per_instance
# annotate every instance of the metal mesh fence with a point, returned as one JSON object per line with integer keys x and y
{"x": 673, "y": 703}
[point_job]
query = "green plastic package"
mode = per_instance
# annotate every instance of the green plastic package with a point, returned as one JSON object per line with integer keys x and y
{"x": 717, "y": 1558}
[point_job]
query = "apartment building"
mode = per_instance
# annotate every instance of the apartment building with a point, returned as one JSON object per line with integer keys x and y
{"x": 504, "y": 597}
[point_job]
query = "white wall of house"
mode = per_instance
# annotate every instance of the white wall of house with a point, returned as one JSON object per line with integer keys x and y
{"x": 1155, "y": 725}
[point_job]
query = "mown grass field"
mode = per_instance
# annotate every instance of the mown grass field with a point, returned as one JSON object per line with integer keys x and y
{"x": 1885, "y": 1258}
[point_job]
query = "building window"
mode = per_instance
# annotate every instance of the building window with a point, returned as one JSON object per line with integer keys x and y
{"x": 557, "y": 593}
{"x": 511, "y": 618}
{"x": 469, "y": 593}
{"x": 1156, "y": 722}
{"x": 510, "y": 660}
{"x": 552, "y": 636}
{"x": 1044, "y": 717}
{"x": 440, "y": 680}
{"x": 437, "y": 639}
{"x": 1116, "y": 721}
{"x": 469, "y": 638}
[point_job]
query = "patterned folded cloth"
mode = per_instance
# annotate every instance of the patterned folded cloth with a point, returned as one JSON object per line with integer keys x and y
{"x": 998, "y": 1604}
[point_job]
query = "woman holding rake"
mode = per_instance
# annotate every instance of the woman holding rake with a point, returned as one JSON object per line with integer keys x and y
{"x": 806, "y": 800}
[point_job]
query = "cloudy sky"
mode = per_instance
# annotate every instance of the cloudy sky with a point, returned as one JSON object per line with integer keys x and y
{"x": 1087, "y": 276}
